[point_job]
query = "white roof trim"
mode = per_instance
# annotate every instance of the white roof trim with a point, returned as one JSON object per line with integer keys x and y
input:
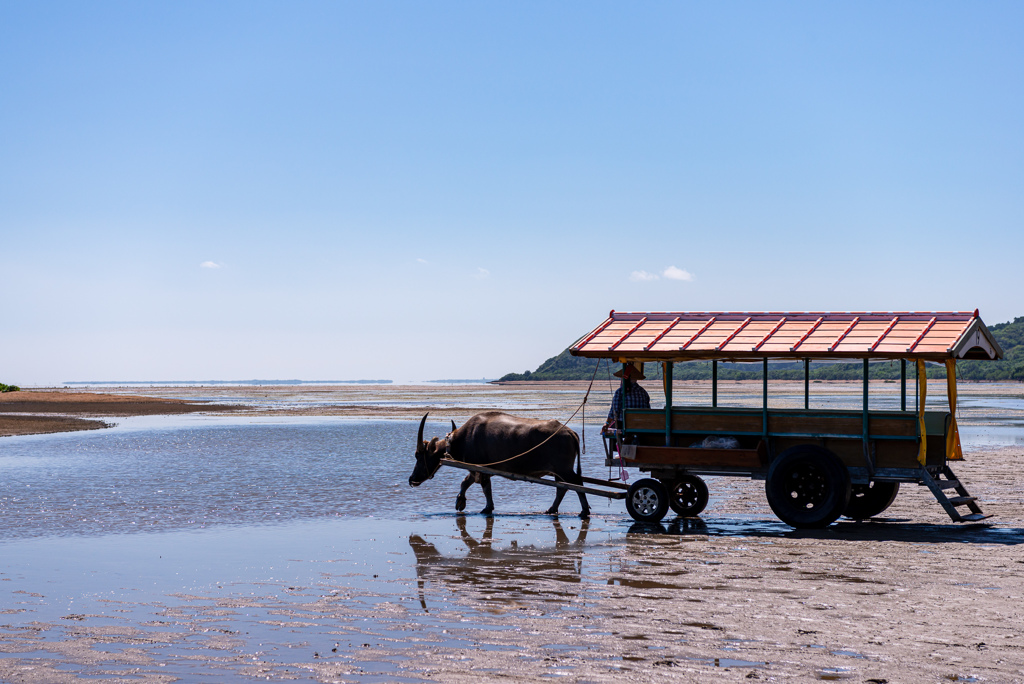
{"x": 977, "y": 336}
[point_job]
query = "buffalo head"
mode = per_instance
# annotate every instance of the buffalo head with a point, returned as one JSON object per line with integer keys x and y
{"x": 428, "y": 456}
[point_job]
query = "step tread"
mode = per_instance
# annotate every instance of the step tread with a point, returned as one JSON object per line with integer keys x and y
{"x": 961, "y": 500}
{"x": 974, "y": 517}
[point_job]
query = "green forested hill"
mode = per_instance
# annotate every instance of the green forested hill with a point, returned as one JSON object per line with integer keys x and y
{"x": 1010, "y": 336}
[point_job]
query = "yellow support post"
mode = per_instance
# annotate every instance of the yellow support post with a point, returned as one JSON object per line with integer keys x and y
{"x": 922, "y": 392}
{"x": 953, "y": 450}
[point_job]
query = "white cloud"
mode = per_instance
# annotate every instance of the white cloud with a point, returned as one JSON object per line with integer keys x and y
{"x": 209, "y": 264}
{"x": 673, "y": 273}
{"x": 422, "y": 261}
{"x": 640, "y": 276}
{"x": 482, "y": 273}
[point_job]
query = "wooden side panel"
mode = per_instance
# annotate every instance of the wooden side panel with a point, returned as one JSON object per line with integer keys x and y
{"x": 895, "y": 454}
{"x": 816, "y": 424}
{"x": 892, "y": 426}
{"x": 936, "y": 450}
{"x": 640, "y": 419}
{"x": 721, "y": 422}
{"x": 682, "y": 456}
{"x": 889, "y": 453}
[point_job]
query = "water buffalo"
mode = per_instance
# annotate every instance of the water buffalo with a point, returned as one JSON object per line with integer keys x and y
{"x": 489, "y": 439}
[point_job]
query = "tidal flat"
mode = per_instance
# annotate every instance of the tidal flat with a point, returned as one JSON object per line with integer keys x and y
{"x": 280, "y": 540}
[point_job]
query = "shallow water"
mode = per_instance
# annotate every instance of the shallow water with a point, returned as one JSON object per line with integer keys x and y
{"x": 156, "y": 474}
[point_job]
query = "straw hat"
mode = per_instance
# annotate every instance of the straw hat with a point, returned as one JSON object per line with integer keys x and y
{"x": 632, "y": 372}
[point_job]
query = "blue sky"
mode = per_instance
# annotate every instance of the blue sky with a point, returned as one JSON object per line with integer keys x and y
{"x": 431, "y": 190}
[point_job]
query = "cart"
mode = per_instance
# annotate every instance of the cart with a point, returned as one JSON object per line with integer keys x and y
{"x": 817, "y": 464}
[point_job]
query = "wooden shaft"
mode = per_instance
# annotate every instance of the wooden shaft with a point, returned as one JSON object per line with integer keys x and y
{"x": 537, "y": 480}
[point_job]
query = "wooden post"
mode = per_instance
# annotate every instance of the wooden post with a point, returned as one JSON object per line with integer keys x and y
{"x": 764, "y": 398}
{"x": 807, "y": 384}
{"x": 666, "y": 371}
{"x": 864, "y": 436}
{"x": 622, "y": 410}
{"x": 865, "y": 391}
{"x": 714, "y": 384}
{"x": 903, "y": 384}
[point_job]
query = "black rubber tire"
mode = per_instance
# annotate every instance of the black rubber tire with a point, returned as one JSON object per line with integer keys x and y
{"x": 868, "y": 500}
{"x": 647, "y": 500}
{"x": 687, "y": 495}
{"x": 808, "y": 487}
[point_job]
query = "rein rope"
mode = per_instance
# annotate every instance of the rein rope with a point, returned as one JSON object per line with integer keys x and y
{"x": 561, "y": 427}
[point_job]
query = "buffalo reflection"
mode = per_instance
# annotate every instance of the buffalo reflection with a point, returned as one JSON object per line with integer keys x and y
{"x": 501, "y": 576}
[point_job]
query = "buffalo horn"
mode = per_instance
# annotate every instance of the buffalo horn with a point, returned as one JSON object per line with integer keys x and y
{"x": 453, "y": 426}
{"x": 419, "y": 437}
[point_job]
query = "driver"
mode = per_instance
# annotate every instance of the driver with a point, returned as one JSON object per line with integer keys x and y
{"x": 630, "y": 395}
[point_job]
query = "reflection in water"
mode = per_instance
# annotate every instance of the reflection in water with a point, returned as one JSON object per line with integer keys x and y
{"x": 503, "y": 574}
{"x": 678, "y": 527}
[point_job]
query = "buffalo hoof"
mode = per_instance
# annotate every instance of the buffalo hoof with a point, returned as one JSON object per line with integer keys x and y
{"x": 585, "y": 514}
{"x": 488, "y": 511}
{"x": 460, "y": 504}
{"x": 551, "y": 511}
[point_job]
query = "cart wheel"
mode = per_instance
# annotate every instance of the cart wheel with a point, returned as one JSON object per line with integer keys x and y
{"x": 868, "y": 500}
{"x": 647, "y": 500}
{"x": 808, "y": 487}
{"x": 688, "y": 495}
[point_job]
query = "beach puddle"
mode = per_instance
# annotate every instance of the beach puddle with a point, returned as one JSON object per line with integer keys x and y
{"x": 729, "y": 662}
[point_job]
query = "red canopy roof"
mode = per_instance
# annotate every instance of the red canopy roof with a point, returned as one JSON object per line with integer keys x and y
{"x": 734, "y": 335}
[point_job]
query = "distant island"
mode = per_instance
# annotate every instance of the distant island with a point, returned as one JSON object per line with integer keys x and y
{"x": 229, "y": 382}
{"x": 1010, "y": 336}
{"x": 481, "y": 381}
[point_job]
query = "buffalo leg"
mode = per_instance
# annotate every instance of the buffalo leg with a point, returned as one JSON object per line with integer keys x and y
{"x": 577, "y": 479}
{"x": 485, "y": 484}
{"x": 584, "y": 506}
{"x": 559, "y": 495}
{"x": 460, "y": 500}
{"x": 573, "y": 478}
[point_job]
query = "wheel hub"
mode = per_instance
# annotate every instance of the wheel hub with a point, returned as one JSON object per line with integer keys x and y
{"x": 645, "y": 500}
{"x": 808, "y": 486}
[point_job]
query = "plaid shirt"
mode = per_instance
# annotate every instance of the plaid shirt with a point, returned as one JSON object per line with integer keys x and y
{"x": 636, "y": 397}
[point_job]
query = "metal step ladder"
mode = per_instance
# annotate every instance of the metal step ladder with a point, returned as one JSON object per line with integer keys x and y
{"x": 941, "y": 479}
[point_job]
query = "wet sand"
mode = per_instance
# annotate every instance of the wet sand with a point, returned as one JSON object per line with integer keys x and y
{"x": 907, "y": 598}
{"x": 433, "y": 596}
{"x": 59, "y": 410}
